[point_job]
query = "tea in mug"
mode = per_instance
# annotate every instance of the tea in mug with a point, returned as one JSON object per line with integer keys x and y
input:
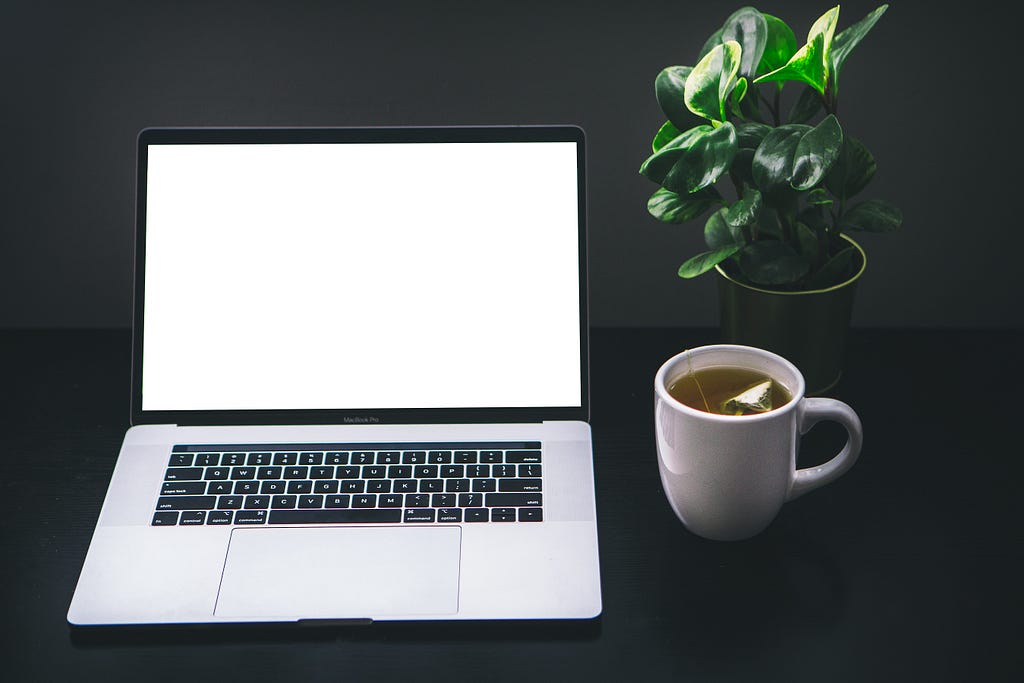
{"x": 729, "y": 390}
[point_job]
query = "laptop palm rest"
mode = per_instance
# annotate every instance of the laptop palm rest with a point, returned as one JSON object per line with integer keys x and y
{"x": 340, "y": 573}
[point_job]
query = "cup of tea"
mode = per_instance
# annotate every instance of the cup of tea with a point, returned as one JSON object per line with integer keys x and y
{"x": 728, "y": 420}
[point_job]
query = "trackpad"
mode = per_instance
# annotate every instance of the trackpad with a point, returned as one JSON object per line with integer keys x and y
{"x": 341, "y": 573}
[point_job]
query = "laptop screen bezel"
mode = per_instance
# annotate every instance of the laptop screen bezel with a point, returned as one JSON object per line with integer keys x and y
{"x": 194, "y": 136}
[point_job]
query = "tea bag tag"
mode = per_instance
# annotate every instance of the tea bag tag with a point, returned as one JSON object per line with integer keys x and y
{"x": 757, "y": 398}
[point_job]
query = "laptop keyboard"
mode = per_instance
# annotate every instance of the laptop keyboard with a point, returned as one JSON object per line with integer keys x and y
{"x": 351, "y": 484}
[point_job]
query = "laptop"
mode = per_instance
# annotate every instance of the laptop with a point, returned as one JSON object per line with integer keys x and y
{"x": 359, "y": 383}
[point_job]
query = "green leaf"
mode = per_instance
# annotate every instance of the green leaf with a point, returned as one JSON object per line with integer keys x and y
{"x": 736, "y": 98}
{"x": 779, "y": 47}
{"x": 814, "y": 218}
{"x": 848, "y": 39}
{"x": 807, "y": 240}
{"x": 749, "y": 135}
{"x": 852, "y": 171}
{"x": 819, "y": 197}
{"x": 810, "y": 64}
{"x": 710, "y": 44}
{"x": 748, "y": 28}
{"x": 746, "y": 210}
{"x": 836, "y": 270}
{"x": 666, "y": 134}
{"x": 816, "y": 152}
{"x": 873, "y": 215}
{"x": 669, "y": 207}
{"x": 718, "y": 233}
{"x": 772, "y": 166}
{"x": 806, "y": 106}
{"x": 669, "y": 88}
{"x": 657, "y": 166}
{"x": 703, "y": 262}
{"x": 767, "y": 262}
{"x": 711, "y": 82}
{"x": 707, "y": 156}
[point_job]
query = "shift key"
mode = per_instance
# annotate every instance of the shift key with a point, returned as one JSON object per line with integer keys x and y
{"x": 513, "y": 500}
{"x": 186, "y": 502}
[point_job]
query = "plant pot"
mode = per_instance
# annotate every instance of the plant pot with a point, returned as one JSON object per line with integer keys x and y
{"x": 807, "y": 328}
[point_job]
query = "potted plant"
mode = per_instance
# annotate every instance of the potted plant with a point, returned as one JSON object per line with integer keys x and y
{"x": 777, "y": 188}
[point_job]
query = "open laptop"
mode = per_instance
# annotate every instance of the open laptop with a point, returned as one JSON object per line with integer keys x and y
{"x": 359, "y": 386}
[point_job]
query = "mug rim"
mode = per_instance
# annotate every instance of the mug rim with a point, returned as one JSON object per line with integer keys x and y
{"x": 661, "y": 390}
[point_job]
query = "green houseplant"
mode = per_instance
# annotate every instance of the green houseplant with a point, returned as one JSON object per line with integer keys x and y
{"x": 777, "y": 188}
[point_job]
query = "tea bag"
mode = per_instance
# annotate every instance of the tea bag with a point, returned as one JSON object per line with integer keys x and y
{"x": 756, "y": 399}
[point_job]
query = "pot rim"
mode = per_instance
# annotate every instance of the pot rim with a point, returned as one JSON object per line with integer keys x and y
{"x": 860, "y": 271}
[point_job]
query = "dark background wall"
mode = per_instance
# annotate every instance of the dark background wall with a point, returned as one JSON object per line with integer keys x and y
{"x": 929, "y": 91}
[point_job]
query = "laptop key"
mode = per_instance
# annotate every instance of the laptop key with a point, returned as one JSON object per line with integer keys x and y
{"x": 183, "y": 474}
{"x": 247, "y": 487}
{"x": 503, "y": 514}
{"x": 374, "y": 472}
{"x": 522, "y": 457}
{"x": 251, "y": 516}
{"x": 471, "y": 500}
{"x": 483, "y": 485}
{"x": 413, "y": 516}
{"x": 531, "y": 515}
{"x": 389, "y": 458}
{"x": 214, "y": 517}
{"x": 216, "y": 473}
{"x": 346, "y": 472}
{"x": 449, "y": 515}
{"x": 519, "y": 485}
{"x": 181, "y": 460}
{"x": 456, "y": 485}
{"x": 465, "y": 457}
{"x": 490, "y": 456}
{"x": 321, "y": 472}
{"x": 218, "y": 488}
{"x": 183, "y": 488}
{"x": 439, "y": 457}
{"x": 353, "y": 486}
{"x": 416, "y": 500}
{"x": 311, "y": 501}
{"x": 286, "y": 458}
{"x": 269, "y": 473}
{"x": 336, "y": 458}
{"x": 390, "y": 500}
{"x": 243, "y": 472}
{"x": 256, "y": 502}
{"x": 165, "y": 518}
{"x": 311, "y": 458}
{"x": 478, "y": 471}
{"x": 229, "y": 502}
{"x": 477, "y": 515}
{"x": 192, "y": 518}
{"x": 257, "y": 459}
{"x": 414, "y": 457}
{"x": 232, "y": 459}
{"x": 340, "y": 501}
{"x": 207, "y": 459}
{"x": 378, "y": 486}
{"x": 532, "y": 471}
{"x": 327, "y": 516}
{"x": 364, "y": 501}
{"x": 300, "y": 486}
{"x": 186, "y": 502}
{"x": 431, "y": 485}
{"x": 400, "y": 472}
{"x": 514, "y": 500}
{"x": 503, "y": 471}
{"x": 443, "y": 500}
{"x": 325, "y": 486}
{"x": 362, "y": 458}
{"x": 272, "y": 487}
{"x": 405, "y": 486}
{"x": 296, "y": 472}
{"x": 284, "y": 502}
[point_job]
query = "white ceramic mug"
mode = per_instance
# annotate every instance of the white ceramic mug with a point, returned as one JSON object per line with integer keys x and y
{"x": 727, "y": 476}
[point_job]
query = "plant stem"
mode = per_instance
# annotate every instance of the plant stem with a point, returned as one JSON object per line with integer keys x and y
{"x": 787, "y": 226}
{"x": 778, "y": 106}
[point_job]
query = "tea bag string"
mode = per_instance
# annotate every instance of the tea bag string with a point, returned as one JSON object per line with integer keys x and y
{"x": 689, "y": 358}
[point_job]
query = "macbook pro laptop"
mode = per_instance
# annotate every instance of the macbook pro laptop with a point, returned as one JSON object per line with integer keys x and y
{"x": 359, "y": 383}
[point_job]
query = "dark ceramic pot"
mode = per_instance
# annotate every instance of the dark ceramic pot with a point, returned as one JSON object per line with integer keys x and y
{"x": 807, "y": 328}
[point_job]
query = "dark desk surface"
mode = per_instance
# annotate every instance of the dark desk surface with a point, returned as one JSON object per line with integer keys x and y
{"x": 908, "y": 568}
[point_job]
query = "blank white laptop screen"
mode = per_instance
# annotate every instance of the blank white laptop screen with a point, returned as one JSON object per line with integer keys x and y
{"x": 341, "y": 276}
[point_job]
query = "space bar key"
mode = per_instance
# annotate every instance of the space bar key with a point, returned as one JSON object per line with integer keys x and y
{"x": 357, "y": 516}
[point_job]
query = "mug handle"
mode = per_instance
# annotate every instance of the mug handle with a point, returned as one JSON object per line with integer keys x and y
{"x": 813, "y": 411}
